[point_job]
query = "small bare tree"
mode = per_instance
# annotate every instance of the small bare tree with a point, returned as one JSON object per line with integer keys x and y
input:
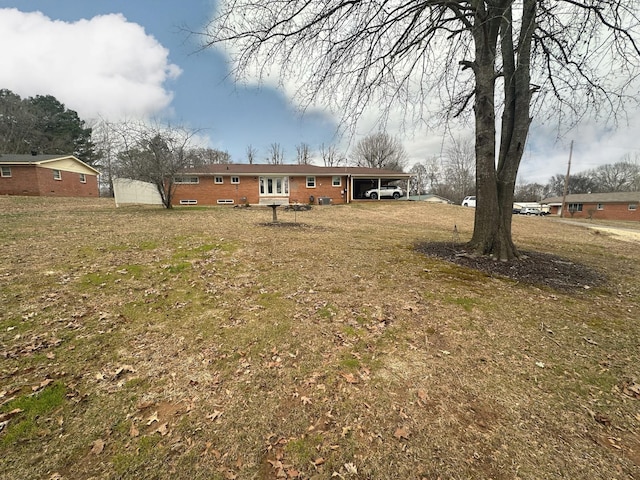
{"x": 331, "y": 157}
{"x": 418, "y": 182}
{"x": 197, "y": 157}
{"x": 275, "y": 155}
{"x": 251, "y": 154}
{"x": 154, "y": 154}
{"x": 303, "y": 154}
{"x": 380, "y": 150}
{"x": 459, "y": 168}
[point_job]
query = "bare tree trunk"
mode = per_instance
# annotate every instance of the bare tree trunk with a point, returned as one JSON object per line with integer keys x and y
{"x": 488, "y": 234}
{"x": 496, "y": 185}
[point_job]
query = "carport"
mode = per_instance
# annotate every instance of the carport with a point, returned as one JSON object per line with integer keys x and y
{"x": 360, "y": 183}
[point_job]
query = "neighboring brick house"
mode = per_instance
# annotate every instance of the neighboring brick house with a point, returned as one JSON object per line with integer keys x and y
{"x": 600, "y": 206}
{"x": 47, "y": 175}
{"x": 283, "y": 184}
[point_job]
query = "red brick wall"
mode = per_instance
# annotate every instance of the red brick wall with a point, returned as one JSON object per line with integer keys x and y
{"x": 34, "y": 181}
{"x": 323, "y": 188}
{"x": 207, "y": 192}
{"x": 611, "y": 211}
{"x": 23, "y": 181}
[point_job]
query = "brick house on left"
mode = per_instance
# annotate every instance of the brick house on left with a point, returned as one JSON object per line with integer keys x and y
{"x": 47, "y": 175}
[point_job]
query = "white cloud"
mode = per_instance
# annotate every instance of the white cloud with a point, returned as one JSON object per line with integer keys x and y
{"x": 105, "y": 66}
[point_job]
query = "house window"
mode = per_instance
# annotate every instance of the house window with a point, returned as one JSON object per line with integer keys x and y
{"x": 5, "y": 172}
{"x": 188, "y": 202}
{"x": 218, "y": 179}
{"x": 633, "y": 206}
{"x": 311, "y": 182}
{"x": 336, "y": 181}
{"x": 235, "y": 179}
{"x": 83, "y": 178}
{"x": 600, "y": 206}
{"x": 189, "y": 180}
{"x": 57, "y": 175}
{"x": 274, "y": 186}
{"x": 575, "y": 207}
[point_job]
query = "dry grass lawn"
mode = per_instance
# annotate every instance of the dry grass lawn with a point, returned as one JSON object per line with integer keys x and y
{"x": 203, "y": 344}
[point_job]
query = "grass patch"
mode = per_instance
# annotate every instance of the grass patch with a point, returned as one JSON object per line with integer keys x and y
{"x": 25, "y": 425}
{"x": 178, "y": 267}
{"x": 466, "y": 303}
{"x": 230, "y": 348}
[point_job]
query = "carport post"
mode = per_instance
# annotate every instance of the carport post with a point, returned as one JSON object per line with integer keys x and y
{"x": 379, "y": 187}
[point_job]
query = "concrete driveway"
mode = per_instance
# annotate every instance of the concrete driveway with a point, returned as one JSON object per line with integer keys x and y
{"x": 628, "y": 234}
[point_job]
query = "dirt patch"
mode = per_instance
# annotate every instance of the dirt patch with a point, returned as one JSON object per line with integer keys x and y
{"x": 532, "y": 267}
{"x": 285, "y": 225}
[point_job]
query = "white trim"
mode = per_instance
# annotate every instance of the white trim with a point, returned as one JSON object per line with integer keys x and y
{"x": 83, "y": 178}
{"x": 188, "y": 202}
{"x": 273, "y": 186}
{"x": 224, "y": 201}
{"x": 218, "y": 177}
{"x": 4, "y": 170}
{"x": 333, "y": 183}
{"x": 235, "y": 179}
{"x": 308, "y": 177}
{"x": 633, "y": 207}
{"x": 57, "y": 174}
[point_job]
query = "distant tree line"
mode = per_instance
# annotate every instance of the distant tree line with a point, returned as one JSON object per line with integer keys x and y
{"x": 452, "y": 176}
{"x": 42, "y": 125}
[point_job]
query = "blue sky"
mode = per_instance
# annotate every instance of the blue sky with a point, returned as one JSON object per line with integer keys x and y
{"x": 134, "y": 58}
{"x": 232, "y": 116}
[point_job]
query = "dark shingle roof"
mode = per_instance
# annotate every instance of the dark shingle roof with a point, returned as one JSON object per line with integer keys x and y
{"x": 26, "y": 158}
{"x": 613, "y": 197}
{"x": 258, "y": 169}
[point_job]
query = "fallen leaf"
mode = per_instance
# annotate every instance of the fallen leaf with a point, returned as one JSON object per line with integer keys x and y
{"x": 124, "y": 369}
{"x": 602, "y": 419}
{"x": 318, "y": 461}
{"x": 153, "y": 418}
{"x": 215, "y": 415}
{"x": 351, "y": 468}
{"x": 401, "y": 433}
{"x": 163, "y": 429}
{"x": 422, "y": 395}
{"x": 133, "y": 431}
{"x": 305, "y": 400}
{"x": 350, "y": 378}
{"x": 540, "y": 364}
{"x": 97, "y": 447}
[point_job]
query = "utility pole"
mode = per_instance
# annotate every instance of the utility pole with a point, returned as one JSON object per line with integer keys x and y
{"x": 566, "y": 182}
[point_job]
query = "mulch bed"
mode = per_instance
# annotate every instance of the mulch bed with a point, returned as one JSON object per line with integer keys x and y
{"x": 532, "y": 267}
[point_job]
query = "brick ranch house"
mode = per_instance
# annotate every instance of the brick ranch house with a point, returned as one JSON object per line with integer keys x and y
{"x": 599, "y": 206}
{"x": 47, "y": 175}
{"x": 279, "y": 184}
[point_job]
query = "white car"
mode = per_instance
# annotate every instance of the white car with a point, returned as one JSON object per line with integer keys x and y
{"x": 386, "y": 191}
{"x": 469, "y": 201}
{"x": 530, "y": 211}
